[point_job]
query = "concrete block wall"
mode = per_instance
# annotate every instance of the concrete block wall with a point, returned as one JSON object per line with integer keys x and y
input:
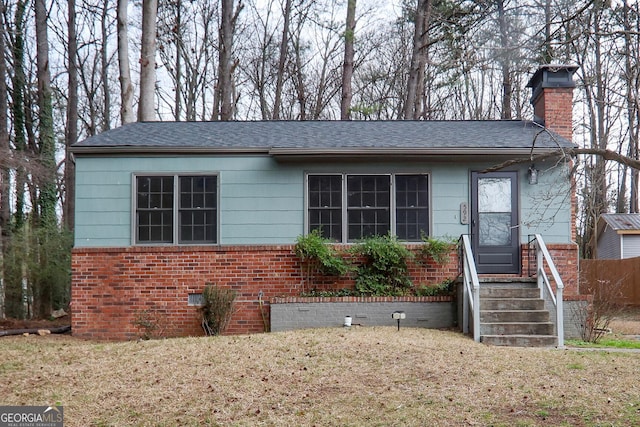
{"x": 574, "y": 316}
{"x": 423, "y": 312}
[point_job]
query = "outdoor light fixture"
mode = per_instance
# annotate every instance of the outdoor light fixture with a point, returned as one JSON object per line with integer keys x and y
{"x": 398, "y": 315}
{"x": 533, "y": 174}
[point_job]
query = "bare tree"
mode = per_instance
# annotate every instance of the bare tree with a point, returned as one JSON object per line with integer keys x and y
{"x": 224, "y": 99}
{"x": 104, "y": 66}
{"x": 146, "y": 103}
{"x": 418, "y": 60}
{"x": 347, "y": 68}
{"x": 632, "y": 83}
{"x": 71, "y": 134}
{"x": 5, "y": 152}
{"x": 126, "y": 87}
{"x": 284, "y": 48}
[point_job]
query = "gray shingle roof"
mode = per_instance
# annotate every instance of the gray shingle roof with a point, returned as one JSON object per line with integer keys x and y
{"x": 622, "y": 221}
{"x": 289, "y": 137}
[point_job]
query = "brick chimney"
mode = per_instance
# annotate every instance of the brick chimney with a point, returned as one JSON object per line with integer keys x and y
{"x": 552, "y": 98}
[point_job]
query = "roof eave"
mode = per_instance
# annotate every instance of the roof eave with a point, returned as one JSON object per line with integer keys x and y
{"x": 281, "y": 152}
{"x": 146, "y": 150}
{"x": 406, "y": 151}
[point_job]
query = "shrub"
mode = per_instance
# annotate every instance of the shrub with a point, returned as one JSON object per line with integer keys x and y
{"x": 384, "y": 271}
{"x": 217, "y": 308}
{"x": 150, "y": 322}
{"x": 344, "y": 292}
{"x": 444, "y": 288}
{"x": 596, "y": 317}
{"x": 436, "y": 249}
{"x": 317, "y": 255}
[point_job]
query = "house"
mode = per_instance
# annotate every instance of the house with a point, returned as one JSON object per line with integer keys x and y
{"x": 163, "y": 208}
{"x": 618, "y": 236}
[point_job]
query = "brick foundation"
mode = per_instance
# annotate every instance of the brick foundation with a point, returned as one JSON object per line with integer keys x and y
{"x": 112, "y": 288}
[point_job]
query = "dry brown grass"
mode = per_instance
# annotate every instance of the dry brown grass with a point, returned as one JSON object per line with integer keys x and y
{"x": 627, "y": 322}
{"x": 324, "y": 377}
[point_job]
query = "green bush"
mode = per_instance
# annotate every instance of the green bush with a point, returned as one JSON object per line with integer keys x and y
{"x": 439, "y": 250}
{"x": 37, "y": 271}
{"x": 217, "y": 308}
{"x": 444, "y": 288}
{"x": 344, "y": 292}
{"x": 385, "y": 270}
{"x": 318, "y": 256}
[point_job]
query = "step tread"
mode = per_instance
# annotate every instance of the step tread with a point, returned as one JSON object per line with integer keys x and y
{"x": 520, "y": 336}
{"x": 519, "y": 340}
{"x": 513, "y": 311}
{"x": 517, "y": 323}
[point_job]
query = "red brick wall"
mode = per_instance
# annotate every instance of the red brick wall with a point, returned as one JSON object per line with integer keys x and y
{"x": 112, "y": 287}
{"x": 565, "y": 257}
{"x": 555, "y": 106}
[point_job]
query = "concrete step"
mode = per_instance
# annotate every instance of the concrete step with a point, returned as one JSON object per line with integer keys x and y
{"x": 520, "y": 340}
{"x": 513, "y": 314}
{"x": 517, "y": 328}
{"x": 511, "y": 304}
{"x": 508, "y": 292}
{"x": 501, "y": 316}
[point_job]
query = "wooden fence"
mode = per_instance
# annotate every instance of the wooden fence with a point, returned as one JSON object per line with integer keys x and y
{"x": 615, "y": 279}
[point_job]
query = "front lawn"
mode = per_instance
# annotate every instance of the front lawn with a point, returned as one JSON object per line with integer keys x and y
{"x": 363, "y": 376}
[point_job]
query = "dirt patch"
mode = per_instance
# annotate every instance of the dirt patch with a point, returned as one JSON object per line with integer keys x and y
{"x": 10, "y": 324}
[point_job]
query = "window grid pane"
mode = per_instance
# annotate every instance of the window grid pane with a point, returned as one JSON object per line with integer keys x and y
{"x": 368, "y": 206}
{"x": 154, "y": 211}
{"x": 197, "y": 210}
{"x": 325, "y": 205}
{"x": 412, "y": 207}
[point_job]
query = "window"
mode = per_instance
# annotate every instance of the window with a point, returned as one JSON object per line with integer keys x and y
{"x": 351, "y": 207}
{"x": 176, "y": 209}
{"x": 412, "y": 206}
{"x": 368, "y": 206}
{"x": 325, "y": 205}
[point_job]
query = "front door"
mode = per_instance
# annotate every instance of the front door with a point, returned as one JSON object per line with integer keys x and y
{"x": 494, "y": 224}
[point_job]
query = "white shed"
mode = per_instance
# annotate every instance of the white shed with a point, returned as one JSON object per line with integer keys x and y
{"x": 618, "y": 236}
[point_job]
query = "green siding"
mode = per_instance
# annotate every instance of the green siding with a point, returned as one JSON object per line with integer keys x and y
{"x": 262, "y": 201}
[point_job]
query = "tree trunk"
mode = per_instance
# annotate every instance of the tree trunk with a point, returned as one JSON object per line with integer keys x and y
{"x": 632, "y": 80}
{"x": 126, "y": 87}
{"x": 418, "y": 59}
{"x": 347, "y": 67}
{"x": 505, "y": 63}
{"x": 146, "y": 108}
{"x": 104, "y": 67}
{"x": 19, "y": 115}
{"x": 301, "y": 93}
{"x": 284, "y": 48}
{"x": 71, "y": 134}
{"x": 45, "y": 132}
{"x": 5, "y": 152}
{"x": 223, "y": 108}
{"x": 48, "y": 196}
{"x": 178, "y": 42}
{"x": 547, "y": 55}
